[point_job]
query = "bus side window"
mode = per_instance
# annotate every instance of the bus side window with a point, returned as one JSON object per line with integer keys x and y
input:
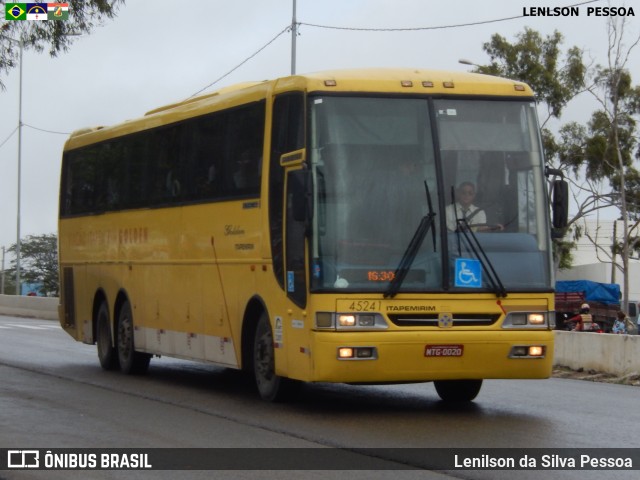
{"x": 206, "y": 149}
{"x": 246, "y": 175}
{"x": 287, "y": 135}
{"x": 295, "y": 234}
{"x": 244, "y": 148}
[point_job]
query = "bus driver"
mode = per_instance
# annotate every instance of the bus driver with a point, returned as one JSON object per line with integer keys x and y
{"x": 464, "y": 209}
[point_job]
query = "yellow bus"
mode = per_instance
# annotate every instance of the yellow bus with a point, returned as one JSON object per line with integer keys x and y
{"x": 304, "y": 229}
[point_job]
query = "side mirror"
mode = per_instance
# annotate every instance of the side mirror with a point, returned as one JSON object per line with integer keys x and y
{"x": 300, "y": 186}
{"x": 560, "y": 204}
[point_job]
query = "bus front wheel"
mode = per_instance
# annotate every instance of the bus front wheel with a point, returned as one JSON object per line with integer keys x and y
{"x": 131, "y": 362}
{"x": 458, "y": 390}
{"x": 271, "y": 387}
{"x": 107, "y": 353}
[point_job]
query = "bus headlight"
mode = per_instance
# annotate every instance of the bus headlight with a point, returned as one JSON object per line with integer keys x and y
{"x": 346, "y": 320}
{"x": 536, "y": 319}
{"x": 526, "y": 320}
{"x": 350, "y": 321}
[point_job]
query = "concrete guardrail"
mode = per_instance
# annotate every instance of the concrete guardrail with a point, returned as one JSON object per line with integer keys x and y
{"x": 45, "y": 308}
{"x": 615, "y": 354}
{"x": 603, "y": 352}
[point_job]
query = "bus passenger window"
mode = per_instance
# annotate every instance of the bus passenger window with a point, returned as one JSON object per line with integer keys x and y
{"x": 173, "y": 185}
{"x": 246, "y": 176}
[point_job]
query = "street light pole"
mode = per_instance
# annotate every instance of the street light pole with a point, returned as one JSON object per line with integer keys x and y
{"x": 18, "y": 242}
{"x": 20, "y": 43}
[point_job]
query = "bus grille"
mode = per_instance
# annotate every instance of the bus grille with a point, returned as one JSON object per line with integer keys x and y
{"x": 431, "y": 320}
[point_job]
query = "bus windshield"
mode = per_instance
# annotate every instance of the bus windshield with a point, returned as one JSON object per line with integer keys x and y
{"x": 379, "y": 162}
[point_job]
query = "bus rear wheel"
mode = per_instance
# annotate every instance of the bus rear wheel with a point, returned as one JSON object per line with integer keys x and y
{"x": 458, "y": 390}
{"x": 107, "y": 353}
{"x": 271, "y": 387}
{"x": 131, "y": 362}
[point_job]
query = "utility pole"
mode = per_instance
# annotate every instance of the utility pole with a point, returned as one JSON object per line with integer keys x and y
{"x": 294, "y": 33}
{"x": 18, "y": 289}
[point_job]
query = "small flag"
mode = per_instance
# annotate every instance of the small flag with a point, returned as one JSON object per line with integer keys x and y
{"x": 37, "y": 11}
{"x": 58, "y": 11}
{"x": 15, "y": 11}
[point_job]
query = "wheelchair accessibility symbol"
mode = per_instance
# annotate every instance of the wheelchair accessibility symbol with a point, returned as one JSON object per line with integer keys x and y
{"x": 468, "y": 273}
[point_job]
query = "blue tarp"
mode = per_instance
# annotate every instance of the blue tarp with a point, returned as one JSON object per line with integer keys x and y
{"x": 607, "y": 293}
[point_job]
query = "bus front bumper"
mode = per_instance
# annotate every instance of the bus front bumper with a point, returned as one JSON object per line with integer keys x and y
{"x": 415, "y": 356}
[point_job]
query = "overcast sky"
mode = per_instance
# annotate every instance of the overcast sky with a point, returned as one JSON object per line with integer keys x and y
{"x": 161, "y": 51}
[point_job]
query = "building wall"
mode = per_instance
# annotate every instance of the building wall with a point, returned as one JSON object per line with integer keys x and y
{"x": 593, "y": 262}
{"x": 601, "y": 272}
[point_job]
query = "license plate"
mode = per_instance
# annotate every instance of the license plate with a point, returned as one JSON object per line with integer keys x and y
{"x": 443, "y": 350}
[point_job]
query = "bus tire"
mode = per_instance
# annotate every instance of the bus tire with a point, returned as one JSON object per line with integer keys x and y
{"x": 271, "y": 387}
{"x": 131, "y": 362}
{"x": 107, "y": 353}
{"x": 458, "y": 390}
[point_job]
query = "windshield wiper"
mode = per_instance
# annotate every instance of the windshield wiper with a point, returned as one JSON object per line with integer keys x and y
{"x": 462, "y": 226}
{"x": 412, "y": 249}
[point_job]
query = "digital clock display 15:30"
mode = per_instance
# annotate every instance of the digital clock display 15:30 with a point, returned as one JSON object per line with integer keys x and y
{"x": 380, "y": 275}
{"x": 357, "y": 275}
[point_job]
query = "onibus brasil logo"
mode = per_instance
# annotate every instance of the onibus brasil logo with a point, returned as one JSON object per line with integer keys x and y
{"x": 36, "y": 11}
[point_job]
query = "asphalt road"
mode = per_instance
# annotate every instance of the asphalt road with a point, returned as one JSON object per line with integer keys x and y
{"x": 53, "y": 394}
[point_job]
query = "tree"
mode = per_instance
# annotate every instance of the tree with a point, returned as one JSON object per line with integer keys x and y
{"x": 601, "y": 153}
{"x": 614, "y": 139}
{"x": 38, "y": 262}
{"x": 556, "y": 79}
{"x": 538, "y": 62}
{"x": 57, "y": 36}
{"x": 8, "y": 286}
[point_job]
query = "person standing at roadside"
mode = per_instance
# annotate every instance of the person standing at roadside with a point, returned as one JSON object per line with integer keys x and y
{"x": 629, "y": 327}
{"x": 619, "y": 324}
